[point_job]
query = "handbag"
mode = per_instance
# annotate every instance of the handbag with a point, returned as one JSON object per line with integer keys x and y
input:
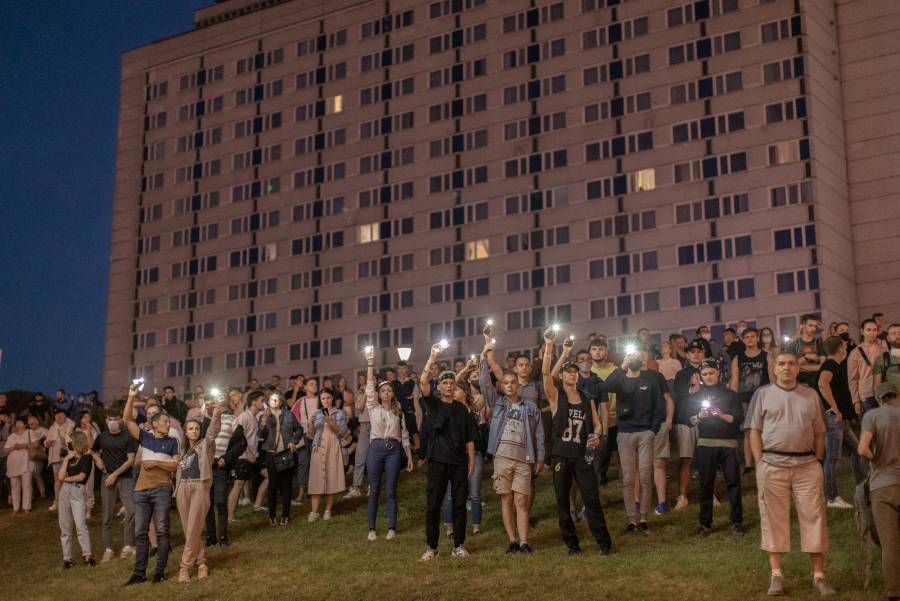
{"x": 283, "y": 461}
{"x": 36, "y": 454}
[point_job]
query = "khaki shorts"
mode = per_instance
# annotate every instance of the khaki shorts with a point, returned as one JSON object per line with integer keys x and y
{"x": 661, "y": 448}
{"x": 776, "y": 487}
{"x": 511, "y": 476}
{"x": 686, "y": 438}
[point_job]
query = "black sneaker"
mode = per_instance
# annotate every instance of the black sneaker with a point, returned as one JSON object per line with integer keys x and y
{"x": 632, "y": 528}
{"x": 91, "y": 563}
{"x": 224, "y": 543}
{"x": 157, "y": 578}
{"x": 67, "y": 565}
{"x": 605, "y": 550}
{"x": 737, "y": 530}
{"x": 210, "y": 543}
{"x": 575, "y": 551}
{"x": 526, "y": 549}
{"x": 512, "y": 549}
{"x": 644, "y": 527}
{"x": 136, "y": 579}
{"x": 152, "y": 552}
{"x": 703, "y": 530}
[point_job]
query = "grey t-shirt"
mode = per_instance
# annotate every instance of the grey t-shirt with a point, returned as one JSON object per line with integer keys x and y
{"x": 789, "y": 421}
{"x": 884, "y": 424}
{"x": 512, "y": 439}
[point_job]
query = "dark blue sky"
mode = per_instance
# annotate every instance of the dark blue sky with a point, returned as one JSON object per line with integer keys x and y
{"x": 59, "y": 104}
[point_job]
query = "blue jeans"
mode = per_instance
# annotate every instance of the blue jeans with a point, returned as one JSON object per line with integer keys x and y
{"x": 837, "y": 435}
{"x": 155, "y": 503}
{"x": 384, "y": 459}
{"x": 473, "y": 493}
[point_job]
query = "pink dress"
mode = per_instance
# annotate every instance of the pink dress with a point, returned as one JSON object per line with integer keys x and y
{"x": 326, "y": 466}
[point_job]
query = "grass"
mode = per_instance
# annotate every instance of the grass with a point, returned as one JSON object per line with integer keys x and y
{"x": 333, "y": 560}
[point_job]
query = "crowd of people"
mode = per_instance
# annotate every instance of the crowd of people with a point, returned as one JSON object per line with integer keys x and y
{"x": 783, "y": 411}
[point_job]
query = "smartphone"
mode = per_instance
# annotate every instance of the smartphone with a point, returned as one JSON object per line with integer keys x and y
{"x": 139, "y": 382}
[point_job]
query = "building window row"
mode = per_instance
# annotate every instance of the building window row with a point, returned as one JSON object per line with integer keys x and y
{"x": 537, "y": 239}
{"x": 620, "y": 265}
{"x": 385, "y": 194}
{"x": 712, "y": 208}
{"x": 716, "y": 292}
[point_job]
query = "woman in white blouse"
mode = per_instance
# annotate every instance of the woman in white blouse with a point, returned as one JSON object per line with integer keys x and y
{"x": 18, "y": 466}
{"x": 387, "y": 434}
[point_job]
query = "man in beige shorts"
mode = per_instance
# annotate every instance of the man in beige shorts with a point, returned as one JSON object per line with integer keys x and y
{"x": 516, "y": 441}
{"x": 787, "y": 437}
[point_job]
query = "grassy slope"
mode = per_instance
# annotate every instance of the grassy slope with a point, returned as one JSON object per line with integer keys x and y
{"x": 334, "y": 561}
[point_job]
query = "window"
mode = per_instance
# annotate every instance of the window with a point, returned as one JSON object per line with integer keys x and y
{"x": 334, "y": 104}
{"x": 538, "y": 317}
{"x": 533, "y": 126}
{"x": 797, "y": 281}
{"x": 710, "y": 167}
{"x": 619, "y": 146}
{"x": 620, "y": 265}
{"x": 458, "y": 215}
{"x": 715, "y": 250}
{"x": 624, "y": 305}
{"x": 459, "y": 290}
{"x": 706, "y": 87}
{"x": 788, "y": 151}
{"x": 537, "y": 200}
{"x": 782, "y": 70}
{"x": 477, "y": 249}
{"x": 315, "y": 349}
{"x": 795, "y": 237}
{"x": 617, "y": 107}
{"x": 384, "y": 266}
{"x": 790, "y": 194}
{"x": 385, "y": 194}
{"x": 317, "y": 277}
{"x": 457, "y": 108}
{"x": 716, "y": 292}
{"x": 712, "y": 208}
{"x": 781, "y": 29}
{"x": 707, "y": 127}
{"x": 621, "y": 225}
{"x": 618, "y": 185}
{"x": 536, "y": 88}
{"x": 533, "y": 17}
{"x": 536, "y": 163}
{"x": 460, "y": 178}
{"x": 538, "y": 239}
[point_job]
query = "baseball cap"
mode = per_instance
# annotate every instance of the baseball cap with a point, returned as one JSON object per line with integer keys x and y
{"x": 446, "y": 375}
{"x": 887, "y": 388}
{"x": 695, "y": 344}
{"x": 709, "y": 364}
{"x": 569, "y": 365}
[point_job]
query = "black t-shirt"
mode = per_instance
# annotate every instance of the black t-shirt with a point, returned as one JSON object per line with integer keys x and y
{"x": 660, "y": 380}
{"x": 753, "y": 372}
{"x": 82, "y": 466}
{"x": 840, "y": 388}
{"x": 572, "y": 423}
{"x": 114, "y": 449}
{"x": 450, "y": 430}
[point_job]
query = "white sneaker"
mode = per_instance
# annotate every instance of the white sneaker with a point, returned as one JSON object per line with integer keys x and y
{"x": 261, "y": 508}
{"x": 353, "y": 493}
{"x": 313, "y": 516}
{"x": 391, "y": 534}
{"x": 839, "y": 503}
{"x": 52, "y": 507}
{"x": 244, "y": 502}
{"x": 428, "y": 555}
{"x": 296, "y": 502}
{"x": 326, "y": 515}
{"x": 681, "y": 503}
{"x": 460, "y": 551}
{"x": 107, "y": 556}
{"x": 121, "y": 512}
{"x": 127, "y": 551}
{"x": 372, "y": 536}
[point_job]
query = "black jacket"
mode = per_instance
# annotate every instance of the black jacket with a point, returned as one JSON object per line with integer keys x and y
{"x": 726, "y": 401}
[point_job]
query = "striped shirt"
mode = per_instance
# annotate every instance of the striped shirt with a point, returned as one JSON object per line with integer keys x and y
{"x": 163, "y": 448}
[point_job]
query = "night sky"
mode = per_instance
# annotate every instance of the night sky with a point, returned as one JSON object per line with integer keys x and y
{"x": 59, "y": 105}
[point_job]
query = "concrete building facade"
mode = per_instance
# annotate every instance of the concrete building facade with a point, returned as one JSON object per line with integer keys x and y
{"x": 296, "y": 180}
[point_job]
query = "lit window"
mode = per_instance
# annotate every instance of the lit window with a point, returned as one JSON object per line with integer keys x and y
{"x": 477, "y": 249}
{"x": 334, "y": 104}
{"x": 368, "y": 233}
{"x": 270, "y": 252}
{"x": 645, "y": 179}
{"x": 784, "y": 152}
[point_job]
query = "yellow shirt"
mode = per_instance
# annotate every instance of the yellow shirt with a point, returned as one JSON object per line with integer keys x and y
{"x": 611, "y": 400}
